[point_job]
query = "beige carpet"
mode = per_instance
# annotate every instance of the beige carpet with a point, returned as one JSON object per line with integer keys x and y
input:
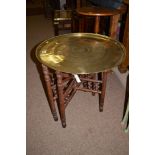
{"x": 88, "y": 131}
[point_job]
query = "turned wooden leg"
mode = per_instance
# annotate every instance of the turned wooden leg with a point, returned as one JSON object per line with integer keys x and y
{"x": 102, "y": 95}
{"x": 114, "y": 20}
{"x": 49, "y": 91}
{"x": 97, "y": 24}
{"x": 94, "y": 84}
{"x": 82, "y": 24}
{"x": 61, "y": 98}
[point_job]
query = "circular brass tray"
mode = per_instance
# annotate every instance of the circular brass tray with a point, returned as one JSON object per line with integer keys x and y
{"x": 80, "y": 53}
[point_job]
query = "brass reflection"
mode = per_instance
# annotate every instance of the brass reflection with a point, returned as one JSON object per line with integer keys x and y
{"x": 81, "y": 53}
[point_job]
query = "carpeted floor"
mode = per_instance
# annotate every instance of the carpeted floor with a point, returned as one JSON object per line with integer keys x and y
{"x": 88, "y": 131}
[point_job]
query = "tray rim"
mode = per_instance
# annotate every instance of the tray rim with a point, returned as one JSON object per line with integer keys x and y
{"x": 79, "y": 34}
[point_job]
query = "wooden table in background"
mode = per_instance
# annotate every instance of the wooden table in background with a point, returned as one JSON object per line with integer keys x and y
{"x": 124, "y": 66}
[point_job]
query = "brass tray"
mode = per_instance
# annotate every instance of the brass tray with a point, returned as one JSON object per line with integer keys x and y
{"x": 80, "y": 53}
